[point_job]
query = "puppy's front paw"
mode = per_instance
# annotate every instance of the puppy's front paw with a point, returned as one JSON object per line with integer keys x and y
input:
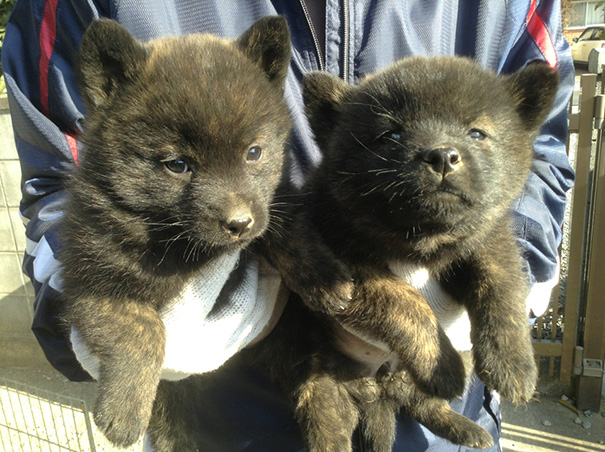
{"x": 447, "y": 378}
{"x": 465, "y": 432}
{"x": 325, "y": 284}
{"x": 511, "y": 372}
{"x": 332, "y": 298}
{"x": 123, "y": 420}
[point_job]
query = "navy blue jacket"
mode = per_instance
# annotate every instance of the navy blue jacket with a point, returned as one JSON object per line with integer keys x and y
{"x": 361, "y": 37}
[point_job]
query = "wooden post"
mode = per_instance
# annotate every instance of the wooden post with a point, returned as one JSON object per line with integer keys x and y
{"x": 578, "y": 216}
{"x": 589, "y": 387}
{"x": 594, "y": 330}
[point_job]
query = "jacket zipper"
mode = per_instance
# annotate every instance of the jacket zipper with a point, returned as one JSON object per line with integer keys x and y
{"x": 322, "y": 66}
{"x": 345, "y": 48}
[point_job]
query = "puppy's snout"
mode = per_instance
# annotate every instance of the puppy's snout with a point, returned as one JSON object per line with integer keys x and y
{"x": 237, "y": 227}
{"x": 443, "y": 160}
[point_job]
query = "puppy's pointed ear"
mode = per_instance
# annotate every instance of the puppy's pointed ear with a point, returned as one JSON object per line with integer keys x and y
{"x": 323, "y": 93}
{"x": 267, "y": 43}
{"x": 109, "y": 56}
{"x": 534, "y": 88}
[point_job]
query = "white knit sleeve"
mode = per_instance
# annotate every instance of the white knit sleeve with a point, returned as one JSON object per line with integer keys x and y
{"x": 452, "y": 316}
{"x": 201, "y": 336}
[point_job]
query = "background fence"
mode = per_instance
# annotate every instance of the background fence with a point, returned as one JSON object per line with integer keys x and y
{"x": 572, "y": 328}
{"x": 32, "y": 419}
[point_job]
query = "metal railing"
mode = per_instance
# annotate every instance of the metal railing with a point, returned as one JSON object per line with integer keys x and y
{"x": 33, "y": 419}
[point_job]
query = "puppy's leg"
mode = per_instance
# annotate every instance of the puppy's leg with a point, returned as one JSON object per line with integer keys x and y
{"x": 173, "y": 422}
{"x": 129, "y": 338}
{"x": 378, "y": 421}
{"x": 495, "y": 300}
{"x": 309, "y": 267}
{"x": 434, "y": 413}
{"x": 387, "y": 311}
{"x": 327, "y": 415}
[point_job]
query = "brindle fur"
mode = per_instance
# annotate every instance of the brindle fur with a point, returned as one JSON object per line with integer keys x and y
{"x": 380, "y": 195}
{"x": 135, "y": 232}
{"x": 378, "y": 198}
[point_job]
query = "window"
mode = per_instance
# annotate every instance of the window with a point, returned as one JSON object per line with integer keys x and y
{"x": 593, "y": 34}
{"x": 585, "y": 14}
{"x": 578, "y": 15}
{"x": 585, "y": 36}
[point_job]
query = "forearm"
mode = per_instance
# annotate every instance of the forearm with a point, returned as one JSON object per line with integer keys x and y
{"x": 538, "y": 213}
{"x": 46, "y": 110}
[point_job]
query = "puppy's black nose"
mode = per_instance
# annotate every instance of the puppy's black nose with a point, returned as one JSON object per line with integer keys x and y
{"x": 443, "y": 161}
{"x": 237, "y": 227}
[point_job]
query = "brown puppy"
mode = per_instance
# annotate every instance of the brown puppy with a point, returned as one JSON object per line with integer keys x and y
{"x": 422, "y": 163}
{"x": 182, "y": 165}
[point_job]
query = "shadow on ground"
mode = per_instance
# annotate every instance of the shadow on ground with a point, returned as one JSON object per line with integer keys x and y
{"x": 546, "y": 424}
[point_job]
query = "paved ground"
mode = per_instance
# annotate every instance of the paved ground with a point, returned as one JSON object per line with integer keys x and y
{"x": 548, "y": 425}
{"x": 53, "y": 422}
{"x": 542, "y": 426}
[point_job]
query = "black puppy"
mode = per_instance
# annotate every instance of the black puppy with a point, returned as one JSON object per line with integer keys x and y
{"x": 185, "y": 145}
{"x": 422, "y": 162}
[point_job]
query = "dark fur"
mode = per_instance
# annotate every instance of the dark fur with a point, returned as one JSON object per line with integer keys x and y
{"x": 136, "y": 231}
{"x": 377, "y": 199}
{"x": 407, "y": 177}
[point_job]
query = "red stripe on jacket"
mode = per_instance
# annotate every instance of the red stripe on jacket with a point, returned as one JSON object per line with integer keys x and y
{"x": 73, "y": 146}
{"x": 48, "y": 34}
{"x": 539, "y": 33}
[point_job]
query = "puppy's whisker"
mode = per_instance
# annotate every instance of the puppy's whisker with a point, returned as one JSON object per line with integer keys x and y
{"x": 380, "y": 186}
{"x": 276, "y": 230}
{"x": 347, "y": 173}
{"x": 367, "y": 148}
{"x": 283, "y": 215}
{"x": 290, "y": 195}
{"x": 380, "y": 172}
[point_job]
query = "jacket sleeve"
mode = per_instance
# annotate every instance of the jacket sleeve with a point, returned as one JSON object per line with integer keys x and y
{"x": 42, "y": 39}
{"x": 540, "y": 210}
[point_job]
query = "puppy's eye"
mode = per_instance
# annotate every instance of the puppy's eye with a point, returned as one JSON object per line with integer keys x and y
{"x": 390, "y": 136}
{"x": 477, "y": 134}
{"x": 254, "y": 154}
{"x": 177, "y": 166}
